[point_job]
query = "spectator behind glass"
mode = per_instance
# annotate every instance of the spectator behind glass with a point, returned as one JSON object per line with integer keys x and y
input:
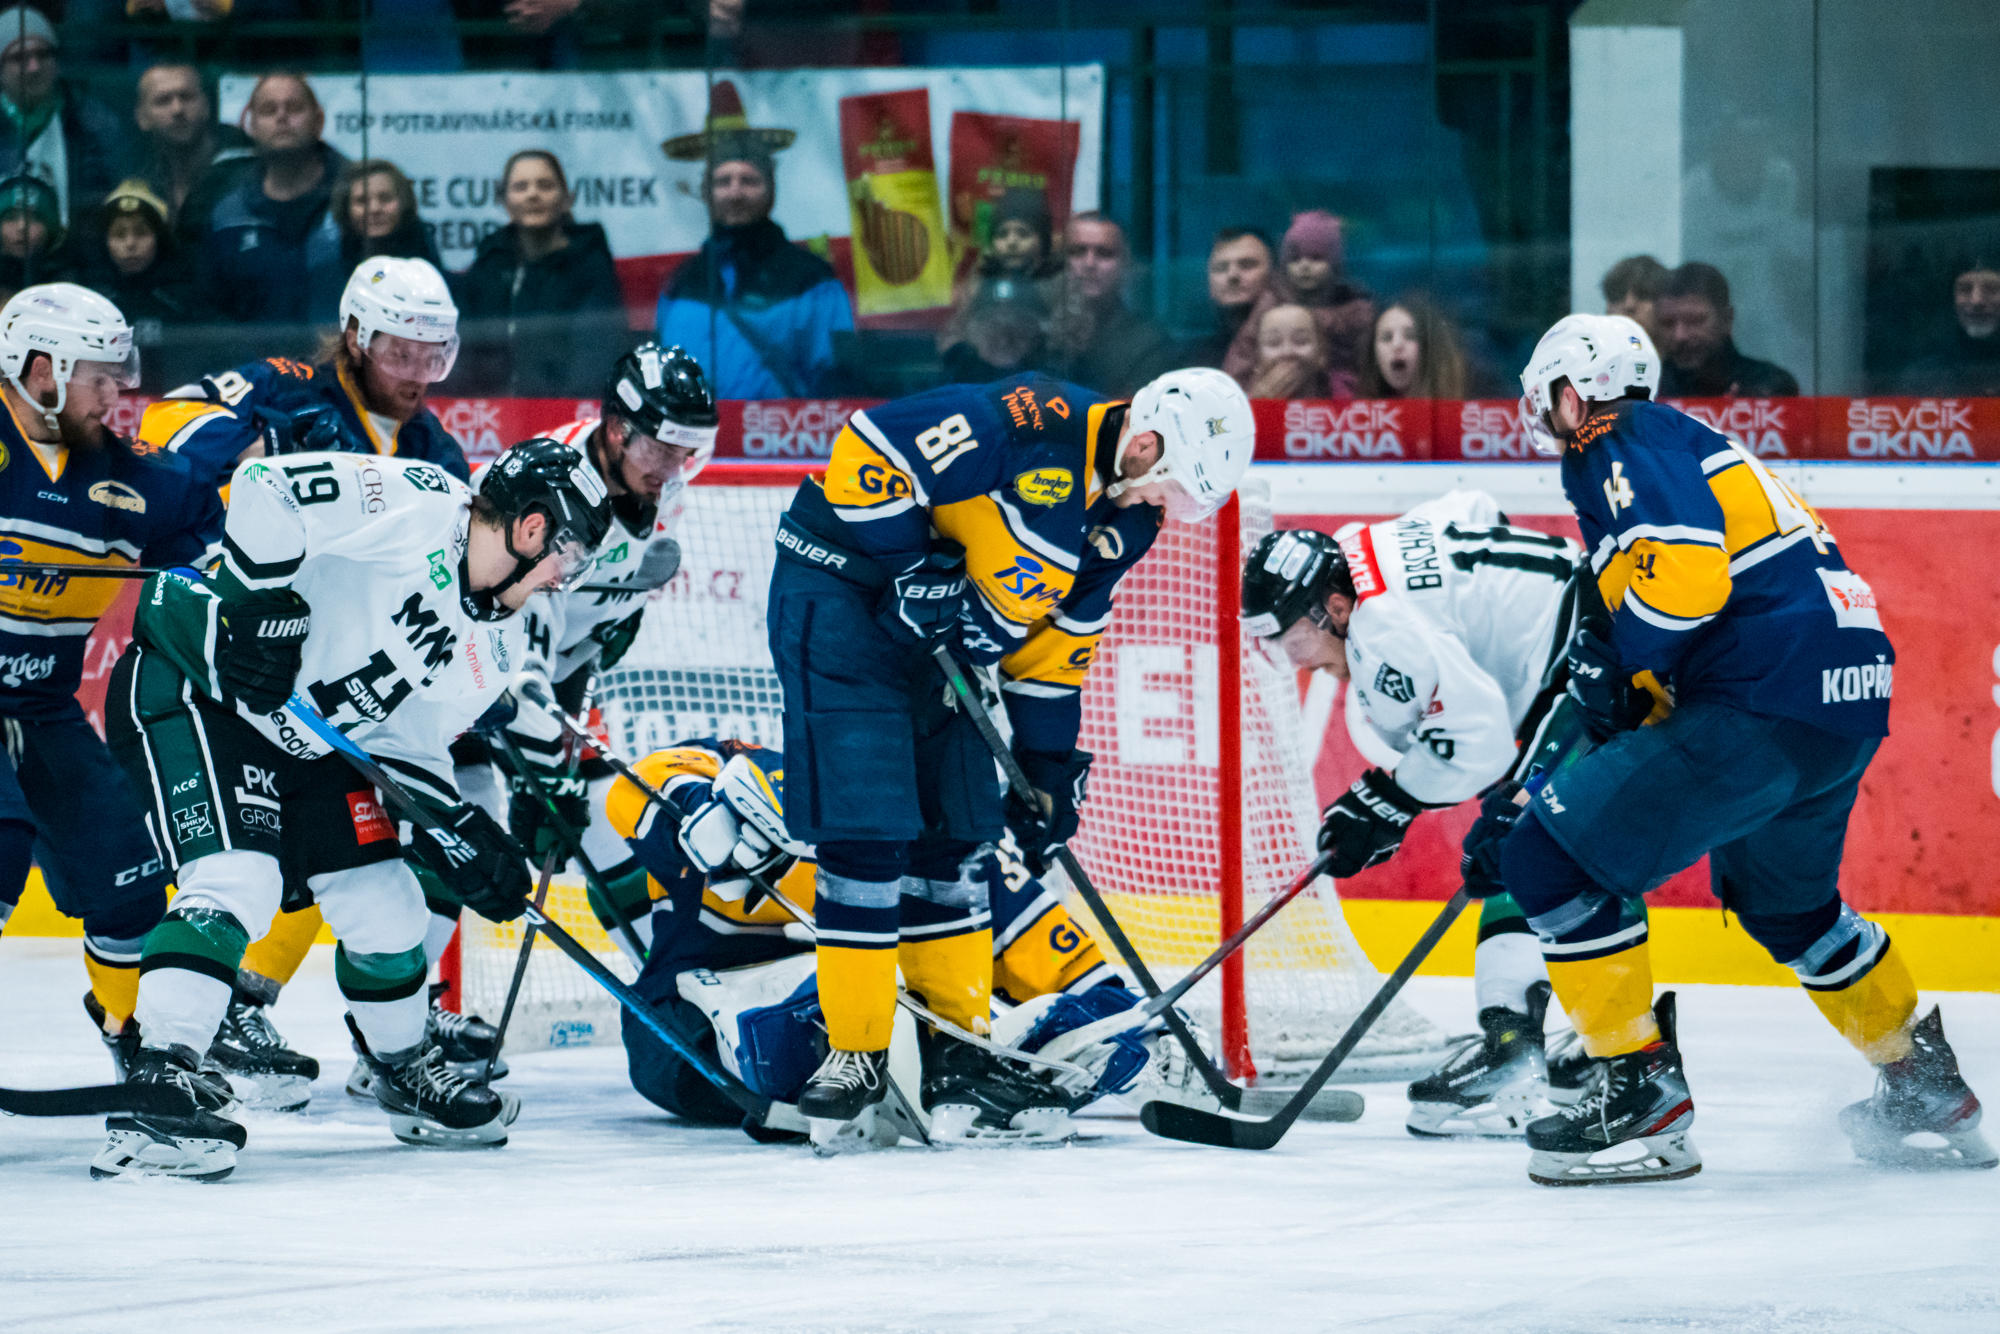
{"x": 757, "y": 312}
{"x": 1239, "y": 270}
{"x": 1095, "y": 339}
{"x": 34, "y": 244}
{"x": 1632, "y": 288}
{"x": 1699, "y": 356}
{"x": 1412, "y": 352}
{"x": 135, "y": 260}
{"x": 1311, "y": 274}
{"x": 1291, "y": 358}
{"x": 1967, "y": 361}
{"x": 272, "y": 228}
{"x": 375, "y": 207}
{"x": 1019, "y": 252}
{"x": 1003, "y": 332}
{"x": 52, "y": 130}
{"x": 186, "y": 159}
{"x": 541, "y": 309}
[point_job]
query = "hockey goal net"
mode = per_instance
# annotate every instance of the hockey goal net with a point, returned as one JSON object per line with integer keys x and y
{"x": 1201, "y": 798}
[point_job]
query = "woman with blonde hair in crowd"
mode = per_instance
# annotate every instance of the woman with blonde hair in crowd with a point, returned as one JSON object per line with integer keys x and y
{"x": 1292, "y": 357}
{"x": 375, "y": 207}
{"x": 1412, "y": 352}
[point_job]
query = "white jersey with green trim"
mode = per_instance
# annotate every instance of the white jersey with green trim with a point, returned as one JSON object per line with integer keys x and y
{"x": 376, "y": 546}
{"x": 1454, "y": 624}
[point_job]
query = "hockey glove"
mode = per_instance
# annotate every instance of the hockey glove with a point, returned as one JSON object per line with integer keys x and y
{"x": 1479, "y": 860}
{"x": 1061, "y": 783}
{"x": 923, "y": 603}
{"x": 528, "y": 816}
{"x": 1602, "y": 687}
{"x": 614, "y": 638}
{"x": 1366, "y": 825}
{"x": 260, "y": 645}
{"x": 478, "y": 863}
{"x": 740, "y": 831}
{"x": 310, "y": 430}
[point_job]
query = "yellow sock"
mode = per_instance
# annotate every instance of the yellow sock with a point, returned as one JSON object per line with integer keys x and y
{"x": 857, "y": 994}
{"x": 116, "y": 986}
{"x": 954, "y": 975}
{"x": 1874, "y": 1010}
{"x": 1609, "y": 999}
{"x": 283, "y": 948}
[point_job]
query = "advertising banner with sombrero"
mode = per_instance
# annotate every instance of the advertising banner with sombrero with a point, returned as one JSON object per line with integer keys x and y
{"x": 860, "y": 156}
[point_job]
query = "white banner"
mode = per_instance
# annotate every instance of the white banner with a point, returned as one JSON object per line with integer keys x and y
{"x": 452, "y": 133}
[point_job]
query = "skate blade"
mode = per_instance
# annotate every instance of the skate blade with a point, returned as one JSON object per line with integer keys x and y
{"x": 134, "y": 1153}
{"x": 361, "y": 1081}
{"x": 866, "y": 1132}
{"x": 270, "y": 1093}
{"x": 1959, "y": 1151}
{"x": 427, "y": 1134}
{"x": 510, "y": 1106}
{"x": 1504, "y": 1117}
{"x": 1652, "y": 1158}
{"x": 955, "y": 1126}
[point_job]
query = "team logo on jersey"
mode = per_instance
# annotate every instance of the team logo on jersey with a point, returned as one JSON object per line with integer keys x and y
{"x": 192, "y": 822}
{"x": 19, "y": 668}
{"x": 1390, "y": 682}
{"x": 440, "y": 571}
{"x": 1045, "y": 486}
{"x": 499, "y": 643}
{"x": 118, "y": 496}
{"x": 612, "y": 557}
{"x": 371, "y": 825}
{"x": 427, "y": 479}
{"x": 1107, "y": 541}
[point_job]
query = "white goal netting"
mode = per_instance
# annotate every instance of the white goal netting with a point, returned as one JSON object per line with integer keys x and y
{"x": 1151, "y": 831}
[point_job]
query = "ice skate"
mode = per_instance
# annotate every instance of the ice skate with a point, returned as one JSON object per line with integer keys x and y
{"x": 843, "y": 1103}
{"x": 430, "y": 1106}
{"x": 361, "y": 1079}
{"x": 978, "y": 1099}
{"x": 1920, "y": 1095}
{"x": 122, "y": 1044}
{"x": 263, "y": 1072}
{"x": 196, "y": 1144}
{"x": 467, "y": 1041}
{"x": 1633, "y": 1126}
{"x": 1572, "y": 1070}
{"x": 1494, "y": 1084}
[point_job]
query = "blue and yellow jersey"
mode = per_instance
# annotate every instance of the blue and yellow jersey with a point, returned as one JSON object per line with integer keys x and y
{"x": 1721, "y": 581}
{"x": 113, "y": 506}
{"x": 212, "y": 422}
{"x": 1006, "y": 471}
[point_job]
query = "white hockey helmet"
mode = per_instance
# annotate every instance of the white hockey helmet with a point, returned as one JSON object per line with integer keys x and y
{"x": 68, "y": 324}
{"x": 407, "y": 299}
{"x": 1207, "y": 435}
{"x": 1602, "y": 356}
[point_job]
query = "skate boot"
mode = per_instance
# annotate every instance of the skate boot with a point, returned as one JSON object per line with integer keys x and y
{"x": 1494, "y": 1084}
{"x": 122, "y": 1043}
{"x": 1922, "y": 1094}
{"x": 430, "y": 1106}
{"x": 977, "y": 1098}
{"x": 264, "y": 1073}
{"x": 1633, "y": 1126}
{"x": 467, "y": 1041}
{"x": 1572, "y": 1070}
{"x": 843, "y": 1100}
{"x": 196, "y": 1144}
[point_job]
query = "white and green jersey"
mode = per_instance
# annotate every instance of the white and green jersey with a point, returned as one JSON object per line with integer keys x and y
{"x": 376, "y": 546}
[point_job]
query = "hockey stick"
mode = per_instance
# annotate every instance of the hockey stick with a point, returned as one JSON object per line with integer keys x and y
{"x": 1230, "y": 1095}
{"x": 96, "y": 1100}
{"x": 1174, "y": 1121}
{"x": 48, "y": 568}
{"x": 752, "y": 1102}
{"x": 520, "y": 965}
{"x": 1228, "y": 947}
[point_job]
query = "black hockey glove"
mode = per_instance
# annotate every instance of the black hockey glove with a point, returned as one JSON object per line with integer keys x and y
{"x": 478, "y": 863}
{"x": 310, "y": 430}
{"x": 922, "y": 604}
{"x": 528, "y": 817}
{"x": 1602, "y": 687}
{"x": 260, "y": 645}
{"x": 1366, "y": 825}
{"x": 1479, "y": 860}
{"x": 1061, "y": 782}
{"x": 614, "y": 639}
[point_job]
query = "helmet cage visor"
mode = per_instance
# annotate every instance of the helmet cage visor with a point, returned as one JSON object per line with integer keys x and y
{"x": 101, "y": 376}
{"x": 407, "y": 359}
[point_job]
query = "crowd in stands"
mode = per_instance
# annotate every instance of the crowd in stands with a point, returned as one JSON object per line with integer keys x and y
{"x": 225, "y": 242}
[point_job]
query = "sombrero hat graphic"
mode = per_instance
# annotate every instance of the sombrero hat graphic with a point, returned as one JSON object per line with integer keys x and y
{"x": 727, "y": 132}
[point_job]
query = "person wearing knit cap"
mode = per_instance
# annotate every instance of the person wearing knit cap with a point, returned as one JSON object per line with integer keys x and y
{"x": 133, "y": 258}
{"x": 49, "y": 128}
{"x": 757, "y": 312}
{"x": 1965, "y": 359}
{"x": 1000, "y": 307}
{"x": 1311, "y": 273}
{"x": 34, "y": 244}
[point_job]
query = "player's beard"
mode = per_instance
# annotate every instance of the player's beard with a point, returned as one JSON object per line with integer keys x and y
{"x": 83, "y": 436}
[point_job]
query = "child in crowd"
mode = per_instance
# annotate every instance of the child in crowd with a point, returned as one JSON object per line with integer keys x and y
{"x": 1411, "y": 352}
{"x": 1311, "y": 273}
{"x": 1292, "y": 358}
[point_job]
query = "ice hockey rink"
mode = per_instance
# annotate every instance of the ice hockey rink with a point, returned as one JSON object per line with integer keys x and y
{"x": 603, "y": 1214}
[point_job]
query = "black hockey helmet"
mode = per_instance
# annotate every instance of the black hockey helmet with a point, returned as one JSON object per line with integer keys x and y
{"x": 660, "y": 389}
{"x": 553, "y": 479}
{"x": 1289, "y": 575}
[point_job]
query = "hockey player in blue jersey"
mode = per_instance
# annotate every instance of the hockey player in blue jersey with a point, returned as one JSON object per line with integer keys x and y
{"x": 363, "y": 394}
{"x": 72, "y": 493}
{"x": 996, "y": 519}
{"x": 1758, "y": 658}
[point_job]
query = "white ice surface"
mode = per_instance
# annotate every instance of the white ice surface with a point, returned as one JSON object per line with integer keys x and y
{"x": 603, "y": 1214}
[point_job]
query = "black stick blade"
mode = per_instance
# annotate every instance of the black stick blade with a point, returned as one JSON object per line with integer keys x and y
{"x": 1171, "y": 1120}
{"x": 97, "y": 1100}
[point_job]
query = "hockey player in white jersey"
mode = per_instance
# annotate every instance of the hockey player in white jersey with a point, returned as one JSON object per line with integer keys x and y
{"x": 1446, "y": 624}
{"x": 385, "y": 594}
